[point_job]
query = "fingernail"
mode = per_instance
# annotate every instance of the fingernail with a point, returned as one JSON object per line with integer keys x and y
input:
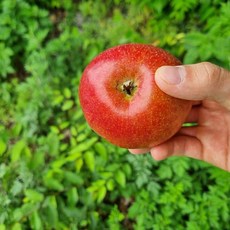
{"x": 172, "y": 75}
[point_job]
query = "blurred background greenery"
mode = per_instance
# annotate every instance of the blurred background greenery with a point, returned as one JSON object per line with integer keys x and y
{"x": 55, "y": 173}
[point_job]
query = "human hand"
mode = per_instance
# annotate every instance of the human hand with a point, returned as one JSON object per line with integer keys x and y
{"x": 208, "y": 86}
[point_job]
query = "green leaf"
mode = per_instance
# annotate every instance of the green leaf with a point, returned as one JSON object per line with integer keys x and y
{"x": 35, "y": 221}
{"x": 110, "y": 185}
{"x": 179, "y": 166}
{"x": 67, "y": 93}
{"x": 164, "y": 172}
{"x": 33, "y": 196}
{"x": 53, "y": 184}
{"x": 2, "y": 227}
{"x": 24, "y": 211}
{"x": 73, "y": 178}
{"x": 100, "y": 148}
{"x": 127, "y": 169}
{"x": 64, "y": 124}
{"x": 142, "y": 179}
{"x": 5, "y": 33}
{"x": 17, "y": 214}
{"x": 106, "y": 175}
{"x": 159, "y": 5}
{"x": 17, "y": 150}
{"x": 68, "y": 104}
{"x": 3, "y": 170}
{"x": 5, "y": 60}
{"x": 16, "y": 188}
{"x": 120, "y": 178}
{"x": 72, "y": 196}
{"x": 51, "y": 212}
{"x": 3, "y": 147}
{"x": 53, "y": 143}
{"x": 154, "y": 188}
{"x": 81, "y": 137}
{"x": 54, "y": 129}
{"x": 90, "y": 160}
{"x": 38, "y": 160}
{"x": 79, "y": 164}
{"x": 58, "y": 100}
{"x": 115, "y": 217}
{"x": 17, "y": 226}
{"x": 73, "y": 131}
{"x": 74, "y": 156}
{"x": 84, "y": 145}
{"x": 101, "y": 194}
{"x": 191, "y": 56}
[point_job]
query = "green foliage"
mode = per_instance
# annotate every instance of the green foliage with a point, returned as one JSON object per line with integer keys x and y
{"x": 55, "y": 172}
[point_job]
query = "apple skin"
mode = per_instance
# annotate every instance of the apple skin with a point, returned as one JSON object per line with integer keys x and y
{"x": 121, "y": 101}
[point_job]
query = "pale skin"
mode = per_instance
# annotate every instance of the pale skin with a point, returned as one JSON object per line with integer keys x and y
{"x": 208, "y": 87}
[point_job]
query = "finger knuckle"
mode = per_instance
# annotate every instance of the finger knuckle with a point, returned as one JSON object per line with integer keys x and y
{"x": 213, "y": 74}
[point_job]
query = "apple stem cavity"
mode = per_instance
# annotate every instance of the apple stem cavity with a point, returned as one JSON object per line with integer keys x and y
{"x": 128, "y": 87}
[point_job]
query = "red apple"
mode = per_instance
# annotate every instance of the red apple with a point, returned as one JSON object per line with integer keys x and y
{"x": 121, "y": 101}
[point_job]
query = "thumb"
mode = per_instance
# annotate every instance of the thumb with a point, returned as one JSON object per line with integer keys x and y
{"x": 195, "y": 82}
